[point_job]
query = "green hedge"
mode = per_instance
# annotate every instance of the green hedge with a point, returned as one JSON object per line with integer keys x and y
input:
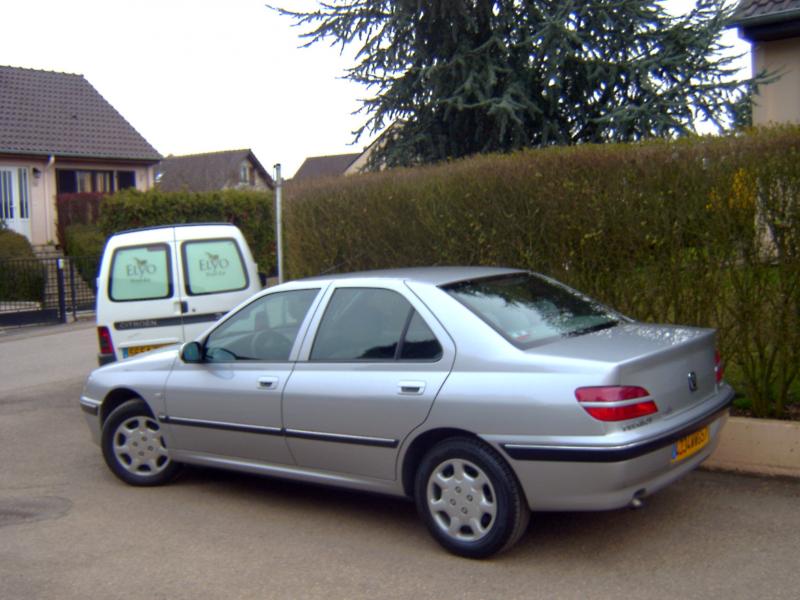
{"x": 22, "y": 277}
{"x": 251, "y": 211}
{"x": 703, "y": 231}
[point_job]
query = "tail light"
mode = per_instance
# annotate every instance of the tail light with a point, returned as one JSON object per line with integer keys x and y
{"x": 616, "y": 403}
{"x": 104, "y": 337}
{"x": 719, "y": 368}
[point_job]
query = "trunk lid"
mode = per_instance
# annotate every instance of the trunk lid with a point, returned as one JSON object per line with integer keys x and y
{"x": 675, "y": 364}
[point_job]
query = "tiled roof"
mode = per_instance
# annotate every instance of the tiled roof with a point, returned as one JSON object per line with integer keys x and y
{"x": 43, "y": 112}
{"x": 324, "y": 166}
{"x": 765, "y": 11}
{"x": 206, "y": 172}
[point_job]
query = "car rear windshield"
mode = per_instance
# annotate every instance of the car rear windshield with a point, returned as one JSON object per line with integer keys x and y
{"x": 528, "y": 309}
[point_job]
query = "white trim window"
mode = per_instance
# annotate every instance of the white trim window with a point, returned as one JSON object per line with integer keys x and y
{"x": 15, "y": 199}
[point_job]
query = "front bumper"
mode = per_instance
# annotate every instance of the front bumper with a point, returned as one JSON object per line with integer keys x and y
{"x": 91, "y": 411}
{"x": 602, "y": 477}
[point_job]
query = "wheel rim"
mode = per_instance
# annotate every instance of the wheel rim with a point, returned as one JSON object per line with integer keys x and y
{"x": 461, "y": 500}
{"x": 139, "y": 447}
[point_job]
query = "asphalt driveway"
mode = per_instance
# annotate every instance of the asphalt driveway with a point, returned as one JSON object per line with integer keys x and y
{"x": 69, "y": 529}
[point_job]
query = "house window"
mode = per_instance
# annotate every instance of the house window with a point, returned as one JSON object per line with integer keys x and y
{"x": 244, "y": 174}
{"x": 22, "y": 179}
{"x": 6, "y": 201}
{"x": 84, "y": 179}
{"x": 126, "y": 179}
{"x": 103, "y": 181}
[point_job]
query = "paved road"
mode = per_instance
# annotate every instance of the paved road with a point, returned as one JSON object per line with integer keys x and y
{"x": 68, "y": 529}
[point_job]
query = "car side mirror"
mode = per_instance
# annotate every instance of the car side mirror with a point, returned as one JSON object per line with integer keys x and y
{"x": 192, "y": 352}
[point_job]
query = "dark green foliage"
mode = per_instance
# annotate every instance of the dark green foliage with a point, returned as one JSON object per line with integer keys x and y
{"x": 461, "y": 77}
{"x": 14, "y": 245}
{"x": 84, "y": 245}
{"x": 251, "y": 211}
{"x": 77, "y": 209}
{"x": 84, "y": 240}
{"x": 702, "y": 231}
{"x": 23, "y": 276}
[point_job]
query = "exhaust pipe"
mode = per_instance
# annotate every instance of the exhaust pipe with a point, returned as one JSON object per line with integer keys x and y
{"x": 637, "y": 501}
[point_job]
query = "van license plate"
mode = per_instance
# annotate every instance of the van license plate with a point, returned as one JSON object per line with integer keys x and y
{"x": 133, "y": 350}
{"x": 690, "y": 445}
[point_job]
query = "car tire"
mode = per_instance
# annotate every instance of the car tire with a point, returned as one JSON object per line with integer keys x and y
{"x": 469, "y": 498}
{"x": 134, "y": 448}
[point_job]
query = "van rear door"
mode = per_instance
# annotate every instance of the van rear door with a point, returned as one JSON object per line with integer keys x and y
{"x": 217, "y": 273}
{"x": 143, "y": 289}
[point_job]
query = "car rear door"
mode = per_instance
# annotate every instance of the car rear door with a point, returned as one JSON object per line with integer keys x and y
{"x": 367, "y": 378}
{"x": 216, "y": 273}
{"x": 144, "y": 307}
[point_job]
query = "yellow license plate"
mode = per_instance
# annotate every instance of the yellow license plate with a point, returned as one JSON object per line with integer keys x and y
{"x": 139, "y": 349}
{"x": 690, "y": 445}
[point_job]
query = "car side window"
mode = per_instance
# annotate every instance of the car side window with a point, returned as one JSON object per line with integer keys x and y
{"x": 419, "y": 342}
{"x": 264, "y": 330}
{"x": 213, "y": 266}
{"x": 140, "y": 273}
{"x": 370, "y": 324}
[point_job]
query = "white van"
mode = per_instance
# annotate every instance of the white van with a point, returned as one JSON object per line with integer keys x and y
{"x": 162, "y": 285}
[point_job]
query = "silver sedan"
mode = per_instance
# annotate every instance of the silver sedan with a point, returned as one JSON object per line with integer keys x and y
{"x": 481, "y": 393}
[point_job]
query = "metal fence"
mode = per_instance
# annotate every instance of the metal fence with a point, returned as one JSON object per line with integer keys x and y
{"x": 46, "y": 290}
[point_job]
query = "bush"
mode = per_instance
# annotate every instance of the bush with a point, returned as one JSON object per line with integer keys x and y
{"x": 22, "y": 276}
{"x": 84, "y": 244}
{"x": 77, "y": 209}
{"x": 251, "y": 211}
{"x": 702, "y": 231}
{"x": 14, "y": 245}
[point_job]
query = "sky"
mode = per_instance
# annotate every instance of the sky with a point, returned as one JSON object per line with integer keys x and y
{"x": 205, "y": 75}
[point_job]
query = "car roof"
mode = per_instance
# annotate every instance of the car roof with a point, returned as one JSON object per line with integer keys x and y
{"x": 172, "y": 226}
{"x": 430, "y": 275}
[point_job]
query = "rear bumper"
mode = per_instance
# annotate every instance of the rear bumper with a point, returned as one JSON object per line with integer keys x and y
{"x": 601, "y": 477}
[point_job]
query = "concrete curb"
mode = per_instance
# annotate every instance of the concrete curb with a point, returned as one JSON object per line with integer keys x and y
{"x": 758, "y": 446}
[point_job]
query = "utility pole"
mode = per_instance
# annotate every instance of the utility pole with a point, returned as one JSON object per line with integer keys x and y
{"x": 278, "y": 225}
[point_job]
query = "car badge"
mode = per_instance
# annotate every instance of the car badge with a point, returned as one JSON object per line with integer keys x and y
{"x": 692, "y": 381}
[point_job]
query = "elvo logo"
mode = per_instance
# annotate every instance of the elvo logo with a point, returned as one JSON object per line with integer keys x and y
{"x": 214, "y": 265}
{"x": 139, "y": 270}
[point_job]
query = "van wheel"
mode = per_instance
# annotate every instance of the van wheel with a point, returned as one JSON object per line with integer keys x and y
{"x": 470, "y": 499}
{"x": 134, "y": 448}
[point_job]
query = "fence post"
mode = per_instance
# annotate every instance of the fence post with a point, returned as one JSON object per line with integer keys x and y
{"x": 72, "y": 289}
{"x": 62, "y": 300}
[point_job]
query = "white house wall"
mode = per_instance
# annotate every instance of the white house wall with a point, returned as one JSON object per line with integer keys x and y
{"x": 42, "y": 189}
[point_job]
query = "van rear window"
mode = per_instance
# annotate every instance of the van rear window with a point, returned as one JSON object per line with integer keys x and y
{"x": 213, "y": 266}
{"x": 140, "y": 273}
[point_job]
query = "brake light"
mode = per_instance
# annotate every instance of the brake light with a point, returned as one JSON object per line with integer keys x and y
{"x": 719, "y": 368}
{"x": 104, "y": 337}
{"x": 598, "y": 400}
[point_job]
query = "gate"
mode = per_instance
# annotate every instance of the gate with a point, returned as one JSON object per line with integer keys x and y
{"x": 46, "y": 290}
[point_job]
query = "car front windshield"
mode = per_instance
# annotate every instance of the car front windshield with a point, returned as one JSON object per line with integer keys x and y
{"x": 528, "y": 309}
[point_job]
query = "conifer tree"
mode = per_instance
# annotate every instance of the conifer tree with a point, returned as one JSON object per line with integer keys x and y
{"x": 460, "y": 77}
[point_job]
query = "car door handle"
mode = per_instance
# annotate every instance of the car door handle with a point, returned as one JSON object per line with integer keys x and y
{"x": 267, "y": 383}
{"x": 411, "y": 388}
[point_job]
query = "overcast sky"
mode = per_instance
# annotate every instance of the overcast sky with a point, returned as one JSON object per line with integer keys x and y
{"x": 202, "y": 75}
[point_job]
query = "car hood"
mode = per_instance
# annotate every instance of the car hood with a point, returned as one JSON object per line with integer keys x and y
{"x": 155, "y": 360}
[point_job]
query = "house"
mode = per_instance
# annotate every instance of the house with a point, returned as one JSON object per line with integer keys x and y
{"x": 773, "y": 27}
{"x": 58, "y": 135}
{"x": 315, "y": 167}
{"x": 213, "y": 171}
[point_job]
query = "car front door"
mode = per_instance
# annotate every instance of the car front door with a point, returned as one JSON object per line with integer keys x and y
{"x": 230, "y": 403}
{"x": 367, "y": 379}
